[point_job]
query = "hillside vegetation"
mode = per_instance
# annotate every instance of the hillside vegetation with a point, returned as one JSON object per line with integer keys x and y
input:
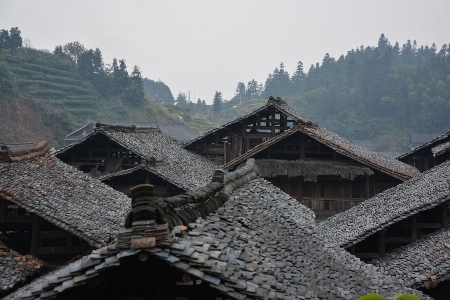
{"x": 48, "y": 95}
{"x": 380, "y": 93}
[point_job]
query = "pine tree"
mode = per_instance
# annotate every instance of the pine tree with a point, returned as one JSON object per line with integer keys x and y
{"x": 217, "y": 102}
{"x": 135, "y": 88}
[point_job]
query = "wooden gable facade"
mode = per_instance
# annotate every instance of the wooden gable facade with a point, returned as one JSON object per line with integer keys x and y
{"x": 237, "y": 137}
{"x": 322, "y": 170}
{"x": 124, "y": 156}
{"x": 317, "y": 176}
{"x": 423, "y": 157}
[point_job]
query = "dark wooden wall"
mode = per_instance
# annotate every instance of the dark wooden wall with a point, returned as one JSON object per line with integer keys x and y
{"x": 144, "y": 280}
{"x": 228, "y": 143}
{"x": 30, "y": 234}
{"x": 402, "y": 233}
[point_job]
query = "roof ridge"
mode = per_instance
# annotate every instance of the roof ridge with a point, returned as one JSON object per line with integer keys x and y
{"x": 122, "y": 128}
{"x": 23, "y": 154}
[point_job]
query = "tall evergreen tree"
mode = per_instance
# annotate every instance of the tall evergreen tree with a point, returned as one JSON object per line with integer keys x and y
{"x": 135, "y": 90}
{"x": 217, "y": 102}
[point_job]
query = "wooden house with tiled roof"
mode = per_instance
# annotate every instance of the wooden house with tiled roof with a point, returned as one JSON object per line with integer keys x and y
{"x": 423, "y": 157}
{"x": 125, "y": 156}
{"x": 249, "y": 240}
{"x": 395, "y": 217}
{"x": 50, "y": 209}
{"x": 319, "y": 168}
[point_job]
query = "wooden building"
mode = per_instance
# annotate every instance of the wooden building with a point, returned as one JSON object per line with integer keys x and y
{"x": 394, "y": 218}
{"x": 124, "y": 156}
{"x": 53, "y": 211}
{"x": 253, "y": 246}
{"x": 319, "y": 168}
{"x": 423, "y": 157}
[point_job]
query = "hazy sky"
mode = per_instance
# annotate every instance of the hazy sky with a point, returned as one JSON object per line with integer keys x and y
{"x": 208, "y": 46}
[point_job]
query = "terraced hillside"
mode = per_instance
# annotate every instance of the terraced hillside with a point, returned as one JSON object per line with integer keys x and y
{"x": 49, "y": 93}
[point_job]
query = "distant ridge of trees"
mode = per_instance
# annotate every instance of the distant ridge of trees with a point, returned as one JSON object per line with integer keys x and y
{"x": 368, "y": 91}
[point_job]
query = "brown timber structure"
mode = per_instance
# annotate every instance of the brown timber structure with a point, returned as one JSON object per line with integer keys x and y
{"x": 423, "y": 157}
{"x": 50, "y": 210}
{"x": 319, "y": 168}
{"x": 125, "y": 156}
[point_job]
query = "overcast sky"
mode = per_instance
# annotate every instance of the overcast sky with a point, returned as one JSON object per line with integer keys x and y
{"x": 208, "y": 46}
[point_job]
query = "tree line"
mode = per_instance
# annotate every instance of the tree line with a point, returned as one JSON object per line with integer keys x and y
{"x": 110, "y": 80}
{"x": 369, "y": 90}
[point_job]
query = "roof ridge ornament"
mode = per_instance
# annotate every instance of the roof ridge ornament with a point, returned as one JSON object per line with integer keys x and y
{"x": 8, "y": 155}
{"x": 272, "y": 100}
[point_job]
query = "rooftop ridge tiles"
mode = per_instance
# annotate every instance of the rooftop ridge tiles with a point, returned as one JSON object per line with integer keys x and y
{"x": 122, "y": 128}
{"x": 26, "y": 153}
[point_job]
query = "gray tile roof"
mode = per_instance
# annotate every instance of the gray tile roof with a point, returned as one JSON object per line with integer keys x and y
{"x": 183, "y": 168}
{"x": 433, "y": 142}
{"x": 68, "y": 198}
{"x": 343, "y": 146}
{"x": 422, "y": 192}
{"x": 260, "y": 244}
{"x": 15, "y": 268}
{"x": 424, "y": 260}
{"x": 441, "y": 149}
{"x": 178, "y": 131}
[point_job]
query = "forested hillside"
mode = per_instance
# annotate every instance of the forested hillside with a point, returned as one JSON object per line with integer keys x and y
{"x": 382, "y": 93}
{"x": 56, "y": 93}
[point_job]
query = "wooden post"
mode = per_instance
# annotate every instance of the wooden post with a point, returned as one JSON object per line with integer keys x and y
{"x": 444, "y": 214}
{"x": 381, "y": 243}
{"x": 367, "y": 187}
{"x": 34, "y": 237}
{"x": 414, "y": 228}
{"x": 302, "y": 146}
{"x": 373, "y": 187}
{"x": 2, "y": 210}
{"x": 68, "y": 243}
{"x": 272, "y": 125}
{"x": 224, "y": 152}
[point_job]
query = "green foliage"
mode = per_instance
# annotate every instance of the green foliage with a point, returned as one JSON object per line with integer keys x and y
{"x": 396, "y": 297}
{"x": 11, "y": 40}
{"x": 369, "y": 91}
{"x": 371, "y": 297}
{"x": 56, "y": 86}
{"x": 158, "y": 90}
{"x": 6, "y": 80}
{"x": 47, "y": 70}
{"x": 217, "y": 102}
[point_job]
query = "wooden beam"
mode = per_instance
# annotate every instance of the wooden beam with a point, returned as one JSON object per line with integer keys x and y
{"x": 429, "y": 225}
{"x": 52, "y": 234}
{"x": 395, "y": 239}
{"x": 19, "y": 219}
{"x": 367, "y": 255}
